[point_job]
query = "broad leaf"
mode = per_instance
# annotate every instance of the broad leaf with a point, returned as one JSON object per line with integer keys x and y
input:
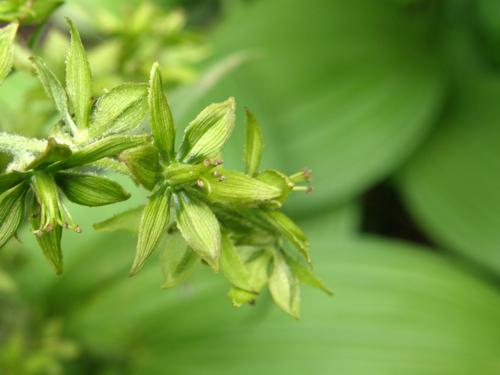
{"x": 452, "y": 185}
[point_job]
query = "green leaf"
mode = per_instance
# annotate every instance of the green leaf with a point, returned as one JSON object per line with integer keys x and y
{"x": 284, "y": 286}
{"x": 7, "y": 35}
{"x": 208, "y": 132}
{"x": 54, "y": 152}
{"x": 11, "y": 179}
{"x": 389, "y": 291}
{"x": 103, "y": 148}
{"x": 78, "y": 78}
{"x": 177, "y": 260}
{"x": 177, "y": 174}
{"x": 154, "y": 221}
{"x": 125, "y": 221}
{"x": 239, "y": 189}
{"x": 232, "y": 266}
{"x": 144, "y": 164}
{"x": 89, "y": 190}
{"x": 289, "y": 230}
{"x": 162, "y": 122}
{"x": 254, "y": 144}
{"x": 50, "y": 243}
{"x": 11, "y": 212}
{"x": 199, "y": 227}
{"x": 452, "y": 185}
{"x": 333, "y": 92}
{"x": 55, "y": 91}
{"x": 120, "y": 110}
{"x": 305, "y": 274}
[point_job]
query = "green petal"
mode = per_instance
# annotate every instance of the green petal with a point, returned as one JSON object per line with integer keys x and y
{"x": 232, "y": 266}
{"x": 54, "y": 152}
{"x": 284, "y": 286}
{"x": 11, "y": 212}
{"x": 305, "y": 275}
{"x": 128, "y": 221}
{"x": 120, "y": 110}
{"x": 289, "y": 230}
{"x": 50, "y": 243}
{"x": 154, "y": 221}
{"x": 106, "y": 147}
{"x": 254, "y": 144}
{"x": 7, "y": 35}
{"x": 239, "y": 189}
{"x": 78, "y": 78}
{"x": 208, "y": 132}
{"x": 10, "y": 180}
{"x": 177, "y": 260}
{"x": 278, "y": 180}
{"x": 88, "y": 190}
{"x": 144, "y": 164}
{"x": 199, "y": 227}
{"x": 162, "y": 123}
{"x": 47, "y": 195}
{"x": 54, "y": 90}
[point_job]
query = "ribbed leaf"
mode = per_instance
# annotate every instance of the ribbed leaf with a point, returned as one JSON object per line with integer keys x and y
{"x": 89, "y": 190}
{"x": 254, "y": 144}
{"x": 240, "y": 189}
{"x": 284, "y": 286}
{"x": 177, "y": 260}
{"x": 162, "y": 123}
{"x": 120, "y": 110}
{"x": 78, "y": 78}
{"x": 7, "y": 35}
{"x": 452, "y": 185}
{"x": 154, "y": 221}
{"x": 54, "y": 90}
{"x": 11, "y": 212}
{"x": 125, "y": 221}
{"x": 209, "y": 131}
{"x": 47, "y": 195}
{"x": 199, "y": 227}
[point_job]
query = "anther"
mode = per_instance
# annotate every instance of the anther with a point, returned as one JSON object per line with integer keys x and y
{"x": 218, "y": 162}
{"x": 200, "y": 183}
{"x": 216, "y": 174}
{"x": 78, "y": 229}
{"x": 310, "y": 189}
{"x": 207, "y": 162}
{"x": 222, "y": 178}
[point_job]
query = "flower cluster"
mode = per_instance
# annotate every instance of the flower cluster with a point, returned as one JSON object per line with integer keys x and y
{"x": 198, "y": 210}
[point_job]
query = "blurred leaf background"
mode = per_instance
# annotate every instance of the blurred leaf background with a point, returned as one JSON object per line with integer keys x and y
{"x": 391, "y": 103}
